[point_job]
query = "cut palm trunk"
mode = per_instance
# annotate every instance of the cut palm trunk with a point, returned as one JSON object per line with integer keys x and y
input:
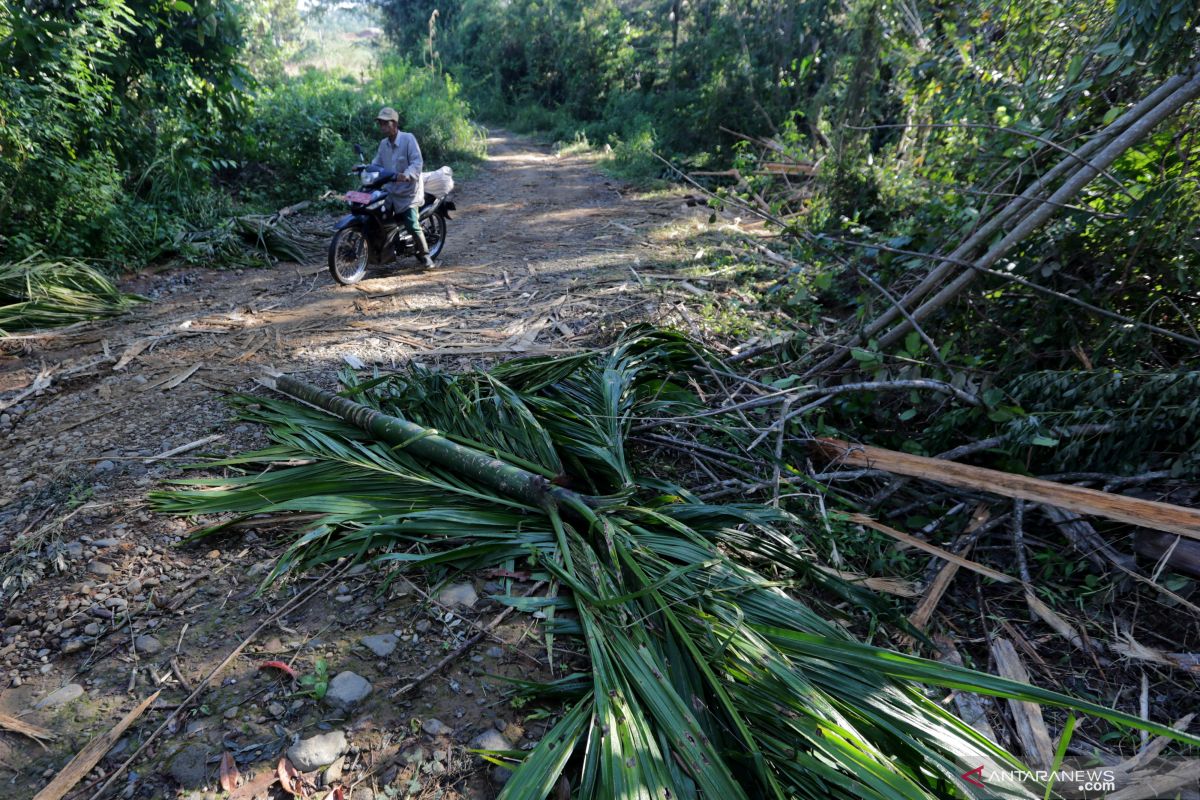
{"x": 707, "y": 679}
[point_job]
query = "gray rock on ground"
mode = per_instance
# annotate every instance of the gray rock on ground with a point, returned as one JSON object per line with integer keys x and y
{"x": 333, "y": 773}
{"x": 147, "y": 644}
{"x": 347, "y": 689}
{"x": 435, "y": 727}
{"x": 458, "y": 594}
{"x": 490, "y": 739}
{"x": 382, "y": 645}
{"x": 61, "y": 696}
{"x": 318, "y": 751}
{"x": 500, "y": 775}
{"x": 189, "y": 766}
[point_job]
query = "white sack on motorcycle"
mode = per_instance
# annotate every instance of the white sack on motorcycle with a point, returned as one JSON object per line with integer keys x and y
{"x": 440, "y": 182}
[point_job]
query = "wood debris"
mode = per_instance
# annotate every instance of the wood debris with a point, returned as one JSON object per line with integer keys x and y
{"x": 972, "y": 708}
{"x": 920, "y": 616}
{"x": 184, "y": 448}
{"x": 174, "y": 379}
{"x": 1131, "y": 510}
{"x": 90, "y": 756}
{"x": 35, "y": 732}
{"x": 1031, "y": 728}
{"x": 920, "y": 544}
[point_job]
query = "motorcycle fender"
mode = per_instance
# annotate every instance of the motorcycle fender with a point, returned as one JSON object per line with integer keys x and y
{"x": 351, "y": 219}
{"x": 445, "y": 208}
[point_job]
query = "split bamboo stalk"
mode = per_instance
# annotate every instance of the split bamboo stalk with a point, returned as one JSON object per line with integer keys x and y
{"x": 90, "y": 756}
{"x": 972, "y": 708}
{"x": 1131, "y": 510}
{"x": 1031, "y": 728}
{"x": 1019, "y": 208}
{"x": 1027, "y": 200}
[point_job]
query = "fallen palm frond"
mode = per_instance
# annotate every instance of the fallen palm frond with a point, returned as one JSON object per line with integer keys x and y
{"x": 280, "y": 237}
{"x": 253, "y": 240}
{"x": 710, "y": 678}
{"x": 38, "y": 292}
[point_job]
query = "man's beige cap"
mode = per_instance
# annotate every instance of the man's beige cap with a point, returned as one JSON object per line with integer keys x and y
{"x": 388, "y": 114}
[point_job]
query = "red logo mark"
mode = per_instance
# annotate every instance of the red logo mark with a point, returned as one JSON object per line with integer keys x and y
{"x": 967, "y": 776}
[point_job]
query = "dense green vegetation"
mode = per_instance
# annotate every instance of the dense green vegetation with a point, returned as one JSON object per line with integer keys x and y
{"x": 900, "y": 128}
{"x": 883, "y": 143}
{"x": 128, "y": 127}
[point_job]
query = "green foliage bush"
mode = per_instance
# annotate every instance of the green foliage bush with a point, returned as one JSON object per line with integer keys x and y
{"x": 113, "y": 116}
{"x": 295, "y": 141}
{"x": 611, "y": 71}
{"x": 431, "y": 105}
{"x": 128, "y": 126}
{"x": 300, "y": 135}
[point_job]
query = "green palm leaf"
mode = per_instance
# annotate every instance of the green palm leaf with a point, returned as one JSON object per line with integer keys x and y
{"x": 708, "y": 679}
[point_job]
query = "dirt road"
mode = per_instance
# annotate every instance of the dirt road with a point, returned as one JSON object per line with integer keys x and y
{"x": 104, "y": 602}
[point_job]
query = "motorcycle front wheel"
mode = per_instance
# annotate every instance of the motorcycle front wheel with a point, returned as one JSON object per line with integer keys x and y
{"x": 348, "y": 256}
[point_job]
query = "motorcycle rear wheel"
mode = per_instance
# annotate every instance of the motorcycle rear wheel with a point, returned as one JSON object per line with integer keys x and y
{"x": 348, "y": 256}
{"x": 434, "y": 227}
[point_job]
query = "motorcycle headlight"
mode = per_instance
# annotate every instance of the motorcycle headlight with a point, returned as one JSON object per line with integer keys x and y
{"x": 369, "y": 177}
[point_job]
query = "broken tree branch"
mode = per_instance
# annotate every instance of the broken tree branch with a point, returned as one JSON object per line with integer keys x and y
{"x": 35, "y": 732}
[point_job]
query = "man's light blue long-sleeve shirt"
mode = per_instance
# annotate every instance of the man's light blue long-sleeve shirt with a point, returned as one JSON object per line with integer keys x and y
{"x": 402, "y": 156}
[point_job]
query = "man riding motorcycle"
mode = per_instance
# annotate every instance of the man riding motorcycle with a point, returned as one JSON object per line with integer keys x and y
{"x": 398, "y": 151}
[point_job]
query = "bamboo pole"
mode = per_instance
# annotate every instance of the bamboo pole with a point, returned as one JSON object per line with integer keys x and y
{"x": 1020, "y": 208}
{"x": 1043, "y": 211}
{"x": 1028, "y": 199}
{"x": 90, "y": 756}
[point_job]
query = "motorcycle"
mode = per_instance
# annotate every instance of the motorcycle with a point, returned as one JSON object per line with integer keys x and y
{"x": 372, "y": 235}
